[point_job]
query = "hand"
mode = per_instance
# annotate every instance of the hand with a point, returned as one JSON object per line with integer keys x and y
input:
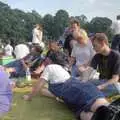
{"x": 59, "y": 100}
{"x": 100, "y": 87}
{"x": 27, "y": 98}
{"x": 82, "y": 68}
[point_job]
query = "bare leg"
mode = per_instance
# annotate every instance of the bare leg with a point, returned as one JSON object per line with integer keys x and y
{"x": 86, "y": 115}
{"x": 99, "y": 102}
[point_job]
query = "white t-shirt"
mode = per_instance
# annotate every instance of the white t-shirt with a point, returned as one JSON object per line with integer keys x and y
{"x": 21, "y": 51}
{"x": 83, "y": 54}
{"x": 8, "y": 50}
{"x": 42, "y": 45}
{"x": 37, "y": 33}
{"x": 55, "y": 74}
{"x": 116, "y": 27}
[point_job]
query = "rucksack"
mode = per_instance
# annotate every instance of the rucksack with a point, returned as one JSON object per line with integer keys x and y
{"x": 111, "y": 112}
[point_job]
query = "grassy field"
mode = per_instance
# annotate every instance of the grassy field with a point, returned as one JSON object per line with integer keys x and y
{"x": 40, "y": 108}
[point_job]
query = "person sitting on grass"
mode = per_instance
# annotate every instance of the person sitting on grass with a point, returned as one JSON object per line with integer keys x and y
{"x": 5, "y": 93}
{"x": 107, "y": 63}
{"x": 75, "y": 94}
{"x": 53, "y": 47}
{"x": 32, "y": 60}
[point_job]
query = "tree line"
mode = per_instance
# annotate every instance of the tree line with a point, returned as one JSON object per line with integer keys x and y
{"x": 17, "y": 25}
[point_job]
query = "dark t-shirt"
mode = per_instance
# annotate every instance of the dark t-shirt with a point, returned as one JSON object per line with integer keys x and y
{"x": 67, "y": 43}
{"x": 107, "y": 65}
{"x": 116, "y": 43}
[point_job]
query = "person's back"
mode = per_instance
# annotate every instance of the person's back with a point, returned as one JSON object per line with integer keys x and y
{"x": 21, "y": 50}
{"x": 8, "y": 50}
{"x": 5, "y": 93}
{"x": 116, "y": 31}
{"x": 37, "y": 34}
{"x": 116, "y": 27}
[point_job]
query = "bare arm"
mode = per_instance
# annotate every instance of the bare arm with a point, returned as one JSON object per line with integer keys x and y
{"x": 114, "y": 79}
{"x": 39, "y": 36}
{"x": 39, "y": 85}
{"x": 71, "y": 61}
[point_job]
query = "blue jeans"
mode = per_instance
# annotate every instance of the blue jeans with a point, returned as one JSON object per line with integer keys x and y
{"x": 109, "y": 90}
{"x": 74, "y": 71}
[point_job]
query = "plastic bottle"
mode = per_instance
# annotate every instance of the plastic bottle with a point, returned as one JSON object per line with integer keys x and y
{"x": 28, "y": 74}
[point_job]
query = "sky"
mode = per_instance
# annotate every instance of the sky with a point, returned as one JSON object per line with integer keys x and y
{"x": 90, "y": 8}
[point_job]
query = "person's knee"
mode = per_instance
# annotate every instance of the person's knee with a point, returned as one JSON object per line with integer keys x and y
{"x": 86, "y": 115}
{"x": 99, "y": 102}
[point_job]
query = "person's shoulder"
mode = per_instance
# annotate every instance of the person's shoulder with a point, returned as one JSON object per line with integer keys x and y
{"x": 52, "y": 67}
{"x": 98, "y": 55}
{"x": 115, "y": 53}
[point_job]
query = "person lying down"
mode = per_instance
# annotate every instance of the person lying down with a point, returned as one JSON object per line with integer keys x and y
{"x": 83, "y": 98}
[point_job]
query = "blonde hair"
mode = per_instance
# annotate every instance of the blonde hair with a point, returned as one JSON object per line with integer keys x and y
{"x": 84, "y": 34}
{"x": 80, "y": 34}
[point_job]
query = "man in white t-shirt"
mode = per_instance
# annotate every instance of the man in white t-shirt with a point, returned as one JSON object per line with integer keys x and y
{"x": 8, "y": 49}
{"x": 116, "y": 31}
{"x": 55, "y": 74}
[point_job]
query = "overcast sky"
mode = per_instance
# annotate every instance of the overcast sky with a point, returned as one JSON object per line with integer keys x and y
{"x": 90, "y": 8}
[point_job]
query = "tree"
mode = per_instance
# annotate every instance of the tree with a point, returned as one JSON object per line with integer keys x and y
{"x": 17, "y": 25}
{"x": 48, "y": 23}
{"x": 61, "y": 21}
{"x": 82, "y": 19}
{"x": 101, "y": 24}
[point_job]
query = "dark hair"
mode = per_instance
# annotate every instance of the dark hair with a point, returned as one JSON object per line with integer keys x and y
{"x": 100, "y": 37}
{"x": 118, "y": 17}
{"x": 37, "y": 48}
{"x": 75, "y": 21}
{"x": 59, "y": 58}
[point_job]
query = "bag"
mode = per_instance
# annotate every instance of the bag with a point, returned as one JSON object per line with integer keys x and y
{"x": 112, "y": 112}
{"x": 89, "y": 74}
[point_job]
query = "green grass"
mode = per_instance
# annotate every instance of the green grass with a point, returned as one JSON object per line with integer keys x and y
{"x": 40, "y": 108}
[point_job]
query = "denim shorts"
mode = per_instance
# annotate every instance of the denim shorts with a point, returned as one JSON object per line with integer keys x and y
{"x": 79, "y": 96}
{"x": 110, "y": 90}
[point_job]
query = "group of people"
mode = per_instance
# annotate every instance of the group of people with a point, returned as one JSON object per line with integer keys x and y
{"x": 26, "y": 56}
{"x": 65, "y": 71}
{"x": 22, "y": 49}
{"x": 84, "y": 97}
